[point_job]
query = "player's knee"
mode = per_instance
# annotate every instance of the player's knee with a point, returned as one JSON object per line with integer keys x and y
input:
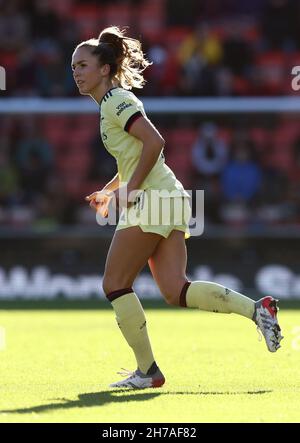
{"x": 112, "y": 283}
{"x": 171, "y": 297}
{"x": 108, "y": 285}
{"x": 171, "y": 290}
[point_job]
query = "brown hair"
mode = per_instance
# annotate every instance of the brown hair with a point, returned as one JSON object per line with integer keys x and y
{"x": 123, "y": 54}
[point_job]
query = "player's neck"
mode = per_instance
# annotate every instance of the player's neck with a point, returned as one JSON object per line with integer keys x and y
{"x": 101, "y": 90}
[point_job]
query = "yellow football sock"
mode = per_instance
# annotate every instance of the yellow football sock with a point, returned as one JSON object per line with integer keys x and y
{"x": 213, "y": 297}
{"x": 131, "y": 319}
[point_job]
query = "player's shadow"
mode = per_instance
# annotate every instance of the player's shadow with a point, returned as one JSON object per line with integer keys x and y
{"x": 86, "y": 401}
{"x": 101, "y": 398}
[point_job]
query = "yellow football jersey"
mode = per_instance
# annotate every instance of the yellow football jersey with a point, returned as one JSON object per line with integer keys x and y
{"x": 119, "y": 108}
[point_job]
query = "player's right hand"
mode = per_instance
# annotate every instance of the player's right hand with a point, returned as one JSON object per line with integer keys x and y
{"x": 99, "y": 201}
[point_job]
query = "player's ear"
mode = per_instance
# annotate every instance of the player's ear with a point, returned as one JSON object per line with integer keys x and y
{"x": 105, "y": 69}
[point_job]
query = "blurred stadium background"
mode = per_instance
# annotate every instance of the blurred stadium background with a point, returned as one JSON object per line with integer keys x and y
{"x": 220, "y": 91}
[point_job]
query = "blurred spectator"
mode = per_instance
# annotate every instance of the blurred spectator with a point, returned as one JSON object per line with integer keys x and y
{"x": 55, "y": 206}
{"x": 242, "y": 176}
{"x": 241, "y": 182}
{"x": 198, "y": 55}
{"x": 67, "y": 45}
{"x": 210, "y": 151}
{"x": 26, "y": 73}
{"x": 182, "y": 12}
{"x": 237, "y": 53}
{"x": 201, "y": 41}
{"x": 272, "y": 203}
{"x": 198, "y": 77}
{"x": 14, "y": 27}
{"x": 51, "y": 75}
{"x": 157, "y": 54}
{"x": 209, "y": 155}
{"x": 225, "y": 82}
{"x": 279, "y": 24}
{"x": 45, "y": 23}
{"x": 34, "y": 160}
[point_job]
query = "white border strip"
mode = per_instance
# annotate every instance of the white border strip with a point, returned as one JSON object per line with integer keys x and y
{"x": 170, "y": 105}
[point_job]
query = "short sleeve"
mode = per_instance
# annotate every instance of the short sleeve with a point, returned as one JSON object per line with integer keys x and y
{"x": 123, "y": 111}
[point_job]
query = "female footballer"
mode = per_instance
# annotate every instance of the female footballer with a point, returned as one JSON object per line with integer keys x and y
{"x": 107, "y": 68}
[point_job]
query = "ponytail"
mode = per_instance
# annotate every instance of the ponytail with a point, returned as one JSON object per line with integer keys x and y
{"x": 123, "y": 54}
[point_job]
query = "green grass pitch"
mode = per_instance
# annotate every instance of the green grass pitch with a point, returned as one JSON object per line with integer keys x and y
{"x": 57, "y": 365}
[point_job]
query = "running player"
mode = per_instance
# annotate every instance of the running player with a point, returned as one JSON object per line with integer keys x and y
{"x": 107, "y": 68}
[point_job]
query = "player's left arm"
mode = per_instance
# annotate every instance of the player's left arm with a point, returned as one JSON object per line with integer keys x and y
{"x": 153, "y": 143}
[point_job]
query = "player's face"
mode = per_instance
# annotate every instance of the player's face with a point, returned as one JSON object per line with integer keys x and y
{"x": 87, "y": 72}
